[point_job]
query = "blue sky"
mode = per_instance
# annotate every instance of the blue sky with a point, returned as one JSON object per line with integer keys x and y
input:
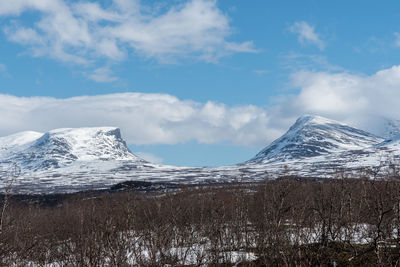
{"x": 197, "y": 82}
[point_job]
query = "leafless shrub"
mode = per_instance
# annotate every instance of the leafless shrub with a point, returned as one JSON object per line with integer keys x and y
{"x": 287, "y": 222}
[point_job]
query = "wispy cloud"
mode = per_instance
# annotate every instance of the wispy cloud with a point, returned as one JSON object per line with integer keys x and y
{"x": 102, "y": 75}
{"x": 296, "y": 62}
{"x": 306, "y": 34}
{"x": 3, "y": 71}
{"x": 261, "y": 72}
{"x": 3, "y": 68}
{"x": 397, "y": 39}
{"x": 82, "y": 32}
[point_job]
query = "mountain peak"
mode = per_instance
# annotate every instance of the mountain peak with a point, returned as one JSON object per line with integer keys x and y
{"x": 315, "y": 119}
{"x": 312, "y": 136}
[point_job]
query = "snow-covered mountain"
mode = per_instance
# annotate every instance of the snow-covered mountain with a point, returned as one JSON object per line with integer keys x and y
{"x": 34, "y": 151}
{"x": 312, "y": 136}
{"x": 14, "y": 143}
{"x": 69, "y": 160}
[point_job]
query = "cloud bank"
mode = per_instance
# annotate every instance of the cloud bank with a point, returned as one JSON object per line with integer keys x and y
{"x": 82, "y": 32}
{"x": 363, "y": 101}
{"x": 143, "y": 118}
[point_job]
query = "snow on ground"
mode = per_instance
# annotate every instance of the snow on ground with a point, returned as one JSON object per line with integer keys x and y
{"x": 70, "y": 160}
{"x": 200, "y": 254}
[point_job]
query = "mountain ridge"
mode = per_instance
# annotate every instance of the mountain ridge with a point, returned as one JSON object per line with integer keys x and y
{"x": 312, "y": 136}
{"x": 76, "y": 159}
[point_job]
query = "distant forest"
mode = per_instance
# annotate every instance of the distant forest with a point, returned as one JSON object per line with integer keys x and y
{"x": 285, "y": 222}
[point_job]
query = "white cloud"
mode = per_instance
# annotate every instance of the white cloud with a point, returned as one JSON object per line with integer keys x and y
{"x": 306, "y": 34}
{"x": 102, "y": 75}
{"x": 241, "y": 47}
{"x": 360, "y": 100}
{"x": 82, "y": 32}
{"x": 149, "y": 157}
{"x": 143, "y": 118}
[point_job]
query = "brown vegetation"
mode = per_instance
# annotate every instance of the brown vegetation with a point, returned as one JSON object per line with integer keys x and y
{"x": 288, "y": 222}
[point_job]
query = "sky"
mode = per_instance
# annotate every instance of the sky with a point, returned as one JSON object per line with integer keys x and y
{"x": 197, "y": 82}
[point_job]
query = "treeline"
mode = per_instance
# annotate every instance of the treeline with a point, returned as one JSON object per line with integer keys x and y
{"x": 287, "y": 222}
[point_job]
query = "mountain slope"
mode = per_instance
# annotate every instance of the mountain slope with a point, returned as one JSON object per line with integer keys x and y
{"x": 313, "y": 136}
{"x": 60, "y": 147}
{"x": 71, "y": 160}
{"x": 16, "y": 142}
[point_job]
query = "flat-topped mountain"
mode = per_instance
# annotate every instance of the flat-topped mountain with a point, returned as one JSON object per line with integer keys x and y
{"x": 70, "y": 160}
{"x": 61, "y": 147}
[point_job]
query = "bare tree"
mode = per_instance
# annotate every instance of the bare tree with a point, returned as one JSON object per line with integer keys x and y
{"x": 8, "y": 174}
